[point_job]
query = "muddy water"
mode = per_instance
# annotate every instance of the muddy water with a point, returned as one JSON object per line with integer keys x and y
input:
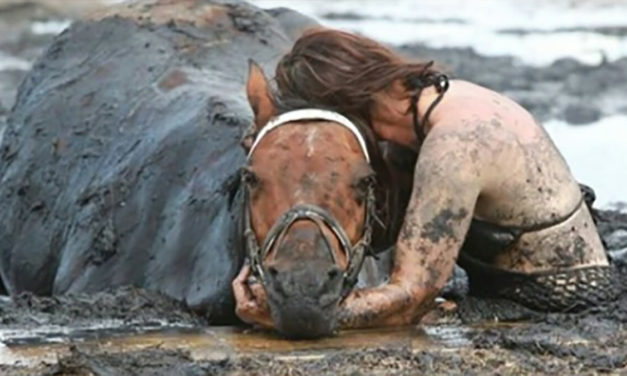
{"x": 211, "y": 344}
{"x": 43, "y": 331}
{"x": 230, "y": 350}
{"x": 489, "y": 349}
{"x": 134, "y": 332}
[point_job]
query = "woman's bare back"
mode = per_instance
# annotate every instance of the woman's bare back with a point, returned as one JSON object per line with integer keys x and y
{"x": 526, "y": 185}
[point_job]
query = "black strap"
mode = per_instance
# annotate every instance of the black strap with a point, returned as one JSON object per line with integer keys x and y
{"x": 355, "y": 254}
{"x": 441, "y": 83}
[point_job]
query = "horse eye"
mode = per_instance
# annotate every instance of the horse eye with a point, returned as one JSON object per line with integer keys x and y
{"x": 364, "y": 183}
{"x": 361, "y": 187}
{"x": 250, "y": 178}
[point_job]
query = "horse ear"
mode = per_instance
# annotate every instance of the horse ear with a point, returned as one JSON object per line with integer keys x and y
{"x": 259, "y": 97}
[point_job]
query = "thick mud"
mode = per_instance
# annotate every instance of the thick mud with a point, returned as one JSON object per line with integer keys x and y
{"x": 127, "y": 305}
{"x": 384, "y": 361}
{"x": 133, "y": 332}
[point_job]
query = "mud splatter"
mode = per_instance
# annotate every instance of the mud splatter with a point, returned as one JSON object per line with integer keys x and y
{"x": 442, "y": 226}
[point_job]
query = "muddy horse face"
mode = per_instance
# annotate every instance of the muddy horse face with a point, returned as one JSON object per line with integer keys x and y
{"x": 309, "y": 202}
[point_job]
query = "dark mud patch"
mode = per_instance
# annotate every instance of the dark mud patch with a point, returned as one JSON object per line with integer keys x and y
{"x": 611, "y": 223}
{"x": 594, "y": 340}
{"x": 127, "y": 304}
{"x": 3, "y": 122}
{"x": 147, "y": 362}
{"x": 383, "y": 362}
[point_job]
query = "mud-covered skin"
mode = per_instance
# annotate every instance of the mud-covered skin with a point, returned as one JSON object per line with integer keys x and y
{"x": 491, "y": 161}
{"x": 118, "y": 162}
{"x": 574, "y": 242}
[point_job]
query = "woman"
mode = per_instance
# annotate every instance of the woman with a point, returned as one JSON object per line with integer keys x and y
{"x": 490, "y": 189}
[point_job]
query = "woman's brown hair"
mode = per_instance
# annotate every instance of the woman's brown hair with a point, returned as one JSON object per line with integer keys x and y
{"x": 341, "y": 71}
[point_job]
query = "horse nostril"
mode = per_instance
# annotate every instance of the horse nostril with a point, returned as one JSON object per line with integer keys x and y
{"x": 334, "y": 273}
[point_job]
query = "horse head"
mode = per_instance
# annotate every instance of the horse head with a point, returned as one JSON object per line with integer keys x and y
{"x": 309, "y": 191}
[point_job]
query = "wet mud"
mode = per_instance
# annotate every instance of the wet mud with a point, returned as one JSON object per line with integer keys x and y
{"x": 101, "y": 326}
{"x": 129, "y": 305}
{"x": 154, "y": 334}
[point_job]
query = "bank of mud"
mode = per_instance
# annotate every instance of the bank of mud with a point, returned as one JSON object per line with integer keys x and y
{"x": 385, "y": 361}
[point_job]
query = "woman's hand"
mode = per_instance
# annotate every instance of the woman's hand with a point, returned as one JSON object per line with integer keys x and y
{"x": 251, "y": 302}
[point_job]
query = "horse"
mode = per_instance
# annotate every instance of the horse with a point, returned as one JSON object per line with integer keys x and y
{"x": 122, "y": 165}
{"x": 310, "y": 203}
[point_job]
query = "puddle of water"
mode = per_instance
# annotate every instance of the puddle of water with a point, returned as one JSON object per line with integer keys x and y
{"x": 450, "y": 335}
{"x": 50, "y": 334}
{"x": 217, "y": 343}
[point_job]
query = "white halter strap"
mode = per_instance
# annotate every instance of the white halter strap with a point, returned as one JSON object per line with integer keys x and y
{"x": 311, "y": 114}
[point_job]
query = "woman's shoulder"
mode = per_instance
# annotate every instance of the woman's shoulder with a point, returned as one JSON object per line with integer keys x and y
{"x": 461, "y": 90}
{"x": 469, "y": 106}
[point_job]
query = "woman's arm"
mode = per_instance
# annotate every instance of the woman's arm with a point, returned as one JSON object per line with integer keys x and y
{"x": 447, "y": 182}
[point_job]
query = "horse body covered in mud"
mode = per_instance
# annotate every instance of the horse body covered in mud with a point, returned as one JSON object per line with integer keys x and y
{"x": 123, "y": 164}
{"x": 120, "y": 162}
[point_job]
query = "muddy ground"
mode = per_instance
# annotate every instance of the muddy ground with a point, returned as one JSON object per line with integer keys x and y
{"x": 591, "y": 342}
{"x": 470, "y": 340}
